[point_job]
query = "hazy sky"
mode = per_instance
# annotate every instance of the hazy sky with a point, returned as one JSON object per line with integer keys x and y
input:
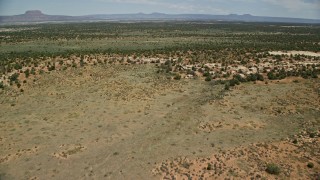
{"x": 283, "y": 8}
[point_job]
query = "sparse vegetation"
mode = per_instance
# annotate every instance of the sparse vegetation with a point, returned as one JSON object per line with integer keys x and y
{"x": 134, "y": 105}
{"x": 208, "y": 49}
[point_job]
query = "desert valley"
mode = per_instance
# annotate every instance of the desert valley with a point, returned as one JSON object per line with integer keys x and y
{"x": 160, "y": 100}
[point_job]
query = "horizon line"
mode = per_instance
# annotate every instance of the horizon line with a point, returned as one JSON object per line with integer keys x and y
{"x": 248, "y": 14}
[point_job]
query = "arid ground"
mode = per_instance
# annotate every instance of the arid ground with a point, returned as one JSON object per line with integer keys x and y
{"x": 128, "y": 122}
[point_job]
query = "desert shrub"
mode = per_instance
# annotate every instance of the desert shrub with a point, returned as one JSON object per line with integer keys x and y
{"x": 186, "y": 165}
{"x": 168, "y": 62}
{"x": 99, "y": 61}
{"x": 206, "y": 74}
{"x": 191, "y": 72}
{"x": 273, "y": 169}
{"x": 27, "y": 73}
{"x": 51, "y": 68}
{"x": 260, "y": 77}
{"x": 1, "y": 85}
{"x": 312, "y": 134}
{"x": 208, "y": 78}
{"x": 209, "y": 167}
{"x": 252, "y": 77}
{"x": 221, "y": 81}
{"x": 304, "y": 75}
{"x": 227, "y": 86}
{"x": 271, "y": 76}
{"x": 239, "y": 78}
{"x": 17, "y": 66}
{"x": 226, "y": 75}
{"x": 177, "y": 77}
{"x": 282, "y": 74}
{"x": 14, "y": 77}
{"x": 33, "y": 71}
{"x": 82, "y": 62}
{"x": 234, "y": 82}
{"x": 295, "y": 141}
{"x": 310, "y": 165}
{"x": 314, "y": 75}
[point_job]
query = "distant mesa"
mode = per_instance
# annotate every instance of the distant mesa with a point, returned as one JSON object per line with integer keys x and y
{"x": 34, "y": 13}
{"x": 245, "y": 15}
{"x": 157, "y": 13}
{"x": 37, "y": 16}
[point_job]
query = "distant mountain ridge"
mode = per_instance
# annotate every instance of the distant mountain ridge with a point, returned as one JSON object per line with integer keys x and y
{"x": 35, "y": 16}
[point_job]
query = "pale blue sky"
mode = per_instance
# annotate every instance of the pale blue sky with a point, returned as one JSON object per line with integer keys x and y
{"x": 280, "y": 8}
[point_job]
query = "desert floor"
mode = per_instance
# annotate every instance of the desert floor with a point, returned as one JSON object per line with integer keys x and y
{"x": 128, "y": 122}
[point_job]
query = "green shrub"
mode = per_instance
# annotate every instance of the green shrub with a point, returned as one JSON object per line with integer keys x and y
{"x": 209, "y": 167}
{"x": 295, "y": 141}
{"x": 314, "y": 76}
{"x": 14, "y": 77}
{"x": 206, "y": 74}
{"x": 27, "y": 73}
{"x": 260, "y": 77}
{"x": 227, "y": 86}
{"x": 208, "y": 78}
{"x": 273, "y": 169}
{"x": 33, "y": 71}
{"x": 271, "y": 76}
{"x": 239, "y": 78}
{"x": 177, "y": 77}
{"x": 234, "y": 82}
{"x": 17, "y": 66}
{"x": 310, "y": 165}
{"x": 312, "y": 134}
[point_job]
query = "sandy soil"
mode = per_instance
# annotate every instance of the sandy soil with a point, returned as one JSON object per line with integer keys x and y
{"x": 307, "y": 53}
{"x": 249, "y": 162}
{"x": 124, "y": 121}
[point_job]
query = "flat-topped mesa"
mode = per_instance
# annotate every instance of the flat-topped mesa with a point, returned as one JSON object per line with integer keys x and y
{"x": 34, "y": 13}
